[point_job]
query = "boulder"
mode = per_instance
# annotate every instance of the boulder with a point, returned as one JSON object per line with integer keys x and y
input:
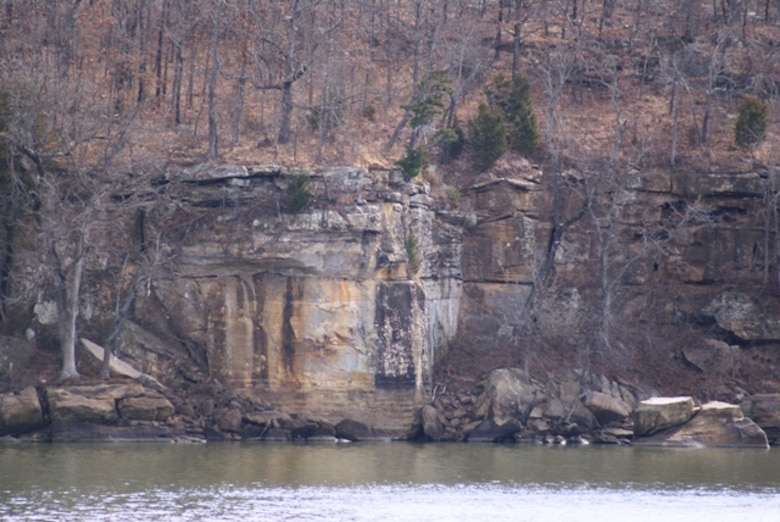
{"x": 350, "y": 429}
{"x": 95, "y": 403}
{"x": 324, "y": 432}
{"x": 713, "y": 357}
{"x": 717, "y": 424}
{"x": 495, "y": 430}
{"x": 431, "y": 425}
{"x": 741, "y": 314}
{"x": 299, "y": 428}
{"x": 764, "y": 410}
{"x": 582, "y": 417}
{"x": 20, "y": 412}
{"x": 553, "y": 409}
{"x": 154, "y": 408}
{"x": 660, "y": 413}
{"x": 606, "y": 408}
{"x": 230, "y": 420}
{"x": 508, "y": 392}
{"x": 66, "y": 405}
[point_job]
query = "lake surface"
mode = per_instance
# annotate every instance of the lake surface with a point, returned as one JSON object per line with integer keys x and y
{"x": 384, "y": 482}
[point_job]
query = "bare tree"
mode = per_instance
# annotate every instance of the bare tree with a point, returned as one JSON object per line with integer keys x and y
{"x": 66, "y": 149}
{"x": 285, "y": 50}
{"x": 216, "y": 23}
{"x": 558, "y": 68}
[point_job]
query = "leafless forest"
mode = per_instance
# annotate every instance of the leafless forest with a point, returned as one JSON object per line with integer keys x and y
{"x": 309, "y": 81}
{"x": 95, "y": 94}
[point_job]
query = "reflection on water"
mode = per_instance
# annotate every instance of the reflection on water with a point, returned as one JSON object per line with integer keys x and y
{"x": 392, "y": 481}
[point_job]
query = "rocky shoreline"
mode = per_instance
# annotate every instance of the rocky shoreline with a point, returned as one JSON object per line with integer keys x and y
{"x": 507, "y": 406}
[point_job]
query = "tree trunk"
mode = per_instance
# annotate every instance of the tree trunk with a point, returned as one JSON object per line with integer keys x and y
{"x": 178, "y": 77}
{"x": 397, "y": 132}
{"x": 237, "y": 104}
{"x": 141, "y": 53}
{"x": 69, "y": 312}
{"x": 159, "y": 90}
{"x": 213, "y": 152}
{"x": 286, "y": 116}
{"x": 191, "y": 76}
{"x": 498, "y": 31}
{"x": 8, "y": 218}
{"x": 516, "y": 44}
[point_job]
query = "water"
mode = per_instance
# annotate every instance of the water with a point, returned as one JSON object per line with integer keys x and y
{"x": 384, "y": 482}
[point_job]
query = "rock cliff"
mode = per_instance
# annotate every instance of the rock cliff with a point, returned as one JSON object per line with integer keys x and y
{"x": 379, "y": 294}
{"x": 340, "y": 309}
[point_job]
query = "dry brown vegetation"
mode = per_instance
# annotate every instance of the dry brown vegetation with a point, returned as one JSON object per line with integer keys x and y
{"x": 101, "y": 88}
{"x": 668, "y": 74}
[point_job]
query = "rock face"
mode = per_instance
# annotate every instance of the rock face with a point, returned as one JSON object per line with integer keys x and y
{"x": 660, "y": 413}
{"x": 354, "y": 297}
{"x": 344, "y": 309}
{"x": 717, "y": 424}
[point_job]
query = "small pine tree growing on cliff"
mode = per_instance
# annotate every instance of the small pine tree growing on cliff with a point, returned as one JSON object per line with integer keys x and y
{"x": 750, "y": 127}
{"x": 413, "y": 162}
{"x": 429, "y": 98}
{"x": 451, "y": 141}
{"x": 488, "y": 136}
{"x": 513, "y": 98}
{"x": 298, "y": 192}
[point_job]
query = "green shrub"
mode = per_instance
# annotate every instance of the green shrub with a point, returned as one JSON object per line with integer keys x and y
{"x": 488, "y": 136}
{"x": 298, "y": 192}
{"x": 451, "y": 140}
{"x": 413, "y": 162}
{"x": 750, "y": 127}
{"x": 513, "y": 97}
{"x": 453, "y": 196}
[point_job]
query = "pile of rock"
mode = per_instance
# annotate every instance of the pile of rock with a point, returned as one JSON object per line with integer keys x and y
{"x": 509, "y": 406}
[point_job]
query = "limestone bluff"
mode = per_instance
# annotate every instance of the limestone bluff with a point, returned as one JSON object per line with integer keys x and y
{"x": 323, "y": 312}
{"x": 318, "y": 306}
{"x": 318, "y": 310}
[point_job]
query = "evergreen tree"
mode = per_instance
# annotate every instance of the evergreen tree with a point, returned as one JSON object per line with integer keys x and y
{"x": 513, "y": 98}
{"x": 298, "y": 192}
{"x": 429, "y": 98}
{"x": 750, "y": 127}
{"x": 413, "y": 162}
{"x": 488, "y": 136}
